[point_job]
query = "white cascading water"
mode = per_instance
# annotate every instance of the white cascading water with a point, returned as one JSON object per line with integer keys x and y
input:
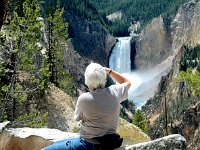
{"x": 120, "y": 59}
{"x": 145, "y": 83}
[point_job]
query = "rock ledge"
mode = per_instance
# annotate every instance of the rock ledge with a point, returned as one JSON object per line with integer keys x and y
{"x": 36, "y": 139}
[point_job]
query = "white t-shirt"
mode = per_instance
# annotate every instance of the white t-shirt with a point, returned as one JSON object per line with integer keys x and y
{"x": 99, "y": 110}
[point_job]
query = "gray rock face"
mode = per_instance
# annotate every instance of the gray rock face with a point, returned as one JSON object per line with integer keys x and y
{"x": 195, "y": 144}
{"x": 186, "y": 26}
{"x": 91, "y": 40}
{"x": 171, "y": 142}
{"x": 153, "y": 45}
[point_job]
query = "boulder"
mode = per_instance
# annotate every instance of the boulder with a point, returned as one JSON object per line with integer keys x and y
{"x": 19, "y": 138}
{"x": 3, "y": 125}
{"x": 36, "y": 139}
{"x": 31, "y": 138}
{"x": 171, "y": 142}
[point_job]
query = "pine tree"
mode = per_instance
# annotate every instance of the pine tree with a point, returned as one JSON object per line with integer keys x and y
{"x": 2, "y": 74}
{"x": 3, "y": 13}
{"x": 20, "y": 50}
{"x": 57, "y": 35}
{"x": 139, "y": 120}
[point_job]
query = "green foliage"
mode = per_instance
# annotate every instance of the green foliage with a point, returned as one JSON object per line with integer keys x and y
{"x": 68, "y": 84}
{"x": 59, "y": 36}
{"x": 96, "y": 10}
{"x": 139, "y": 120}
{"x": 118, "y": 28}
{"x": 16, "y": 6}
{"x": 2, "y": 74}
{"x": 25, "y": 34}
{"x": 192, "y": 80}
{"x": 26, "y": 70}
{"x": 137, "y": 10}
{"x": 76, "y": 129}
{"x": 83, "y": 9}
{"x": 32, "y": 120}
{"x": 189, "y": 66}
{"x": 44, "y": 71}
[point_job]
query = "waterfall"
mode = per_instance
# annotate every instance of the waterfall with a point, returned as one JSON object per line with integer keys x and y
{"x": 144, "y": 83}
{"x": 120, "y": 59}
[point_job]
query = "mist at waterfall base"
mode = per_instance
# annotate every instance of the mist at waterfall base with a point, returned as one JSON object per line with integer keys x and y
{"x": 144, "y": 83}
{"x": 143, "y": 86}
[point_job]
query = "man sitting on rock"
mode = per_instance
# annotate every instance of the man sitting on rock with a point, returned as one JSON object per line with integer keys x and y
{"x": 99, "y": 112}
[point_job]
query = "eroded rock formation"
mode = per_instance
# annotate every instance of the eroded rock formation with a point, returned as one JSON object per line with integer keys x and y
{"x": 186, "y": 26}
{"x": 153, "y": 45}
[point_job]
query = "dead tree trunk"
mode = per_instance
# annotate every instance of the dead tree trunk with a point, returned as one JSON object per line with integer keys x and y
{"x": 3, "y": 14}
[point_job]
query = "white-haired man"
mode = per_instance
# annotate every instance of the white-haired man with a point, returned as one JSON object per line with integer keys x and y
{"x": 99, "y": 111}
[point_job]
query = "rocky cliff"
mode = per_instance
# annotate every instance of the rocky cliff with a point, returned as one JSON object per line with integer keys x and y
{"x": 186, "y": 26}
{"x": 151, "y": 56}
{"x": 174, "y": 109}
{"x": 60, "y": 108}
{"x": 153, "y": 45}
{"x": 157, "y": 42}
{"x": 172, "y": 95}
{"x": 89, "y": 42}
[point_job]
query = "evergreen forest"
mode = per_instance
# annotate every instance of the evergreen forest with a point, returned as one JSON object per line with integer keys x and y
{"x": 97, "y": 10}
{"x": 136, "y": 10}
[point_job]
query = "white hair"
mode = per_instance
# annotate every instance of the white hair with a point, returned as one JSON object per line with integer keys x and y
{"x": 95, "y": 76}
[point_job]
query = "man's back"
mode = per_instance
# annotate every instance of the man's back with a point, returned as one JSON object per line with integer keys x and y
{"x": 100, "y": 109}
